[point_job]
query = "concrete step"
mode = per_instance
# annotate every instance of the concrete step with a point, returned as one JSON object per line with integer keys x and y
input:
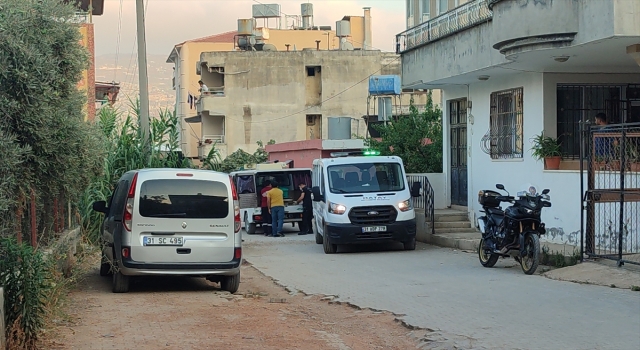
{"x": 452, "y": 224}
{"x": 446, "y": 230}
{"x": 451, "y": 217}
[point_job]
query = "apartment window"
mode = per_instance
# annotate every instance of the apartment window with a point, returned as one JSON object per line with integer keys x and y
{"x": 425, "y": 9}
{"x": 576, "y": 103}
{"x": 409, "y": 8}
{"x": 443, "y": 6}
{"x": 505, "y": 125}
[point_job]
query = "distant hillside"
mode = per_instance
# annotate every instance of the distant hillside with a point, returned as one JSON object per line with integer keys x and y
{"x": 161, "y": 94}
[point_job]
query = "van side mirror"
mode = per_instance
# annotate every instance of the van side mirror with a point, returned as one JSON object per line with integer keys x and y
{"x": 317, "y": 196}
{"x": 100, "y": 206}
{"x": 500, "y": 186}
{"x": 415, "y": 189}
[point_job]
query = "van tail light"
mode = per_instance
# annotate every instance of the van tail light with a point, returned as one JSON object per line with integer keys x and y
{"x": 236, "y": 207}
{"x": 128, "y": 209}
{"x": 126, "y": 253}
{"x": 237, "y": 253}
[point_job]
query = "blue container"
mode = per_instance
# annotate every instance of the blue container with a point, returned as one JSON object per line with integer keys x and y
{"x": 384, "y": 85}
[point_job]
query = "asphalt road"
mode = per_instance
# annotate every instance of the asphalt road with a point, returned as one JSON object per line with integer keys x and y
{"x": 450, "y": 293}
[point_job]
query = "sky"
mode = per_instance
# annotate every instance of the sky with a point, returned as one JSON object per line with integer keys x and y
{"x": 170, "y": 22}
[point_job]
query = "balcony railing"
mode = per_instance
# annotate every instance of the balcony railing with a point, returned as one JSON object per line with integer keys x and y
{"x": 211, "y": 139}
{"x": 456, "y": 20}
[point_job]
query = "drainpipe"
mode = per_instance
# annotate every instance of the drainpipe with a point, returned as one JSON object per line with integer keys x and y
{"x": 318, "y": 45}
{"x": 287, "y": 45}
{"x": 367, "y": 28}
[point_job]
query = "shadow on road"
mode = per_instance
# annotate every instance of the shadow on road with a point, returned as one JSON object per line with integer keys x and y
{"x": 146, "y": 284}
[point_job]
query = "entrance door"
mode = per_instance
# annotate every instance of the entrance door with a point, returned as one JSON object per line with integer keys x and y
{"x": 458, "y": 125}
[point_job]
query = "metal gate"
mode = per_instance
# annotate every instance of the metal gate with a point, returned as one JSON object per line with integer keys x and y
{"x": 611, "y": 199}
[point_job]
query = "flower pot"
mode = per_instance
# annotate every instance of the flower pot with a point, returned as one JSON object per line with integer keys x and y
{"x": 552, "y": 163}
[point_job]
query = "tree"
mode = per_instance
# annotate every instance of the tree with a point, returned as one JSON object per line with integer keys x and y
{"x": 41, "y": 108}
{"x": 416, "y": 138}
{"x": 236, "y": 160}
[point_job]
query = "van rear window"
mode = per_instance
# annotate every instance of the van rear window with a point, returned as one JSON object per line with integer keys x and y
{"x": 181, "y": 198}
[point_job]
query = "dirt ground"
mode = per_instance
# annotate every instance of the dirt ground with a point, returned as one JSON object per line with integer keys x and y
{"x": 192, "y": 313}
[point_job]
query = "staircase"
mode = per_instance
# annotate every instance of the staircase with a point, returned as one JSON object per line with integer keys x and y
{"x": 453, "y": 229}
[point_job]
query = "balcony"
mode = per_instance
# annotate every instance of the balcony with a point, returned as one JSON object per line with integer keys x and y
{"x": 454, "y": 21}
{"x": 204, "y": 147}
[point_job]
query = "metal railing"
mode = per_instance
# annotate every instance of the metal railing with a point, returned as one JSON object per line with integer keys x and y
{"x": 427, "y": 200}
{"x": 463, "y": 17}
{"x": 611, "y": 200}
{"x": 213, "y": 138}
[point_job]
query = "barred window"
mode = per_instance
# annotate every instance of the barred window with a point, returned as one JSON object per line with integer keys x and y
{"x": 505, "y": 136}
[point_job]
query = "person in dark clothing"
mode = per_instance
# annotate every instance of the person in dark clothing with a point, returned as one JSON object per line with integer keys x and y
{"x": 266, "y": 215}
{"x": 307, "y": 210}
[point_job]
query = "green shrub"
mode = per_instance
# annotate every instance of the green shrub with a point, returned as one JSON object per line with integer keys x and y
{"x": 24, "y": 274}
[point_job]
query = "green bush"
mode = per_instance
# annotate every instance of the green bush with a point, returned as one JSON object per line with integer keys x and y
{"x": 24, "y": 274}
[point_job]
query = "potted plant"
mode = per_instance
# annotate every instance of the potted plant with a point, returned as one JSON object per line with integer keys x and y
{"x": 547, "y": 148}
{"x": 633, "y": 156}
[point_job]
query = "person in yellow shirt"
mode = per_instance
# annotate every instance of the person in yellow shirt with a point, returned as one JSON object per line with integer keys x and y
{"x": 275, "y": 202}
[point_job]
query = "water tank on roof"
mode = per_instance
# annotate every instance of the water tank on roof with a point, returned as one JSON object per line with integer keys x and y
{"x": 384, "y": 85}
{"x": 343, "y": 28}
{"x": 307, "y": 9}
{"x": 339, "y": 128}
{"x": 245, "y": 26}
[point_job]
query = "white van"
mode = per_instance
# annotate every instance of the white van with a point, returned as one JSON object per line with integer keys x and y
{"x": 362, "y": 199}
{"x": 172, "y": 222}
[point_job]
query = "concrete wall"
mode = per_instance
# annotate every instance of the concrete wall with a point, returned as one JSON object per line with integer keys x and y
{"x": 267, "y": 94}
{"x": 539, "y": 94}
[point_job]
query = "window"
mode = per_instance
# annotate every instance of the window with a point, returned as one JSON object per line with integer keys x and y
{"x": 312, "y": 70}
{"x": 443, "y": 6}
{"x": 188, "y": 199}
{"x": 409, "y": 8}
{"x": 365, "y": 177}
{"x": 576, "y": 103}
{"x": 505, "y": 125}
{"x": 425, "y": 9}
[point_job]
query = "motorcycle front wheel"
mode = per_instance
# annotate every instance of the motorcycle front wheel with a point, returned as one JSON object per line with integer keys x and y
{"x": 487, "y": 260}
{"x": 531, "y": 259}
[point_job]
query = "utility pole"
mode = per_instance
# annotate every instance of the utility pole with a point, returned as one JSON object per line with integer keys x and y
{"x": 143, "y": 80}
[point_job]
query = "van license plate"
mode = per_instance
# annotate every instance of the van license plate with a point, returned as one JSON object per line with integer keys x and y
{"x": 169, "y": 241}
{"x": 374, "y": 229}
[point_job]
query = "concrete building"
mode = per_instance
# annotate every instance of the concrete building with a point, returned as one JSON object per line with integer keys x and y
{"x": 267, "y": 27}
{"x": 511, "y": 69}
{"x": 288, "y": 96}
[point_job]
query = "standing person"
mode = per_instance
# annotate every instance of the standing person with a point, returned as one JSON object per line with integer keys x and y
{"x": 307, "y": 210}
{"x": 275, "y": 202}
{"x": 266, "y": 215}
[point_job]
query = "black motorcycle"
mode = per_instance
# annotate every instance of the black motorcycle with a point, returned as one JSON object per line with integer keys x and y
{"x": 512, "y": 232}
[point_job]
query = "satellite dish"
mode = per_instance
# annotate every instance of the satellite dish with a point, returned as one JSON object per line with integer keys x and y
{"x": 269, "y": 47}
{"x": 252, "y": 40}
{"x": 343, "y": 40}
{"x": 347, "y": 46}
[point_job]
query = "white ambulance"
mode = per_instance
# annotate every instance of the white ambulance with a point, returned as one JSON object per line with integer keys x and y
{"x": 361, "y": 197}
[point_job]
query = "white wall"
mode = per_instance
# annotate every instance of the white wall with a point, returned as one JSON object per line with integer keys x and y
{"x": 563, "y": 219}
{"x": 439, "y": 184}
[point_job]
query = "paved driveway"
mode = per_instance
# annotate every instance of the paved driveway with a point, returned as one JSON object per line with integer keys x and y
{"x": 449, "y": 292}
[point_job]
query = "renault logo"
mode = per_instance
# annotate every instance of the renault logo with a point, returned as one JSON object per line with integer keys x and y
{"x": 372, "y": 213}
{"x": 184, "y": 225}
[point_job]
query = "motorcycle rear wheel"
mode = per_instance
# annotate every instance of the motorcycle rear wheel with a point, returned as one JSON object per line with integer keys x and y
{"x": 530, "y": 261}
{"x": 486, "y": 260}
